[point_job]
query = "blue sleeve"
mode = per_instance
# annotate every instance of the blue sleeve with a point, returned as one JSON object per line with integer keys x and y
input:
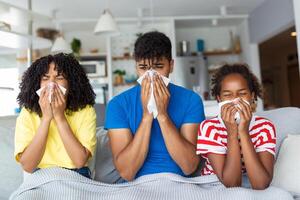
{"x": 116, "y": 116}
{"x": 195, "y": 111}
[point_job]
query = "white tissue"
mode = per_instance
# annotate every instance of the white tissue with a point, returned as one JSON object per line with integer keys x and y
{"x": 151, "y": 106}
{"x": 237, "y": 116}
{"x": 50, "y": 88}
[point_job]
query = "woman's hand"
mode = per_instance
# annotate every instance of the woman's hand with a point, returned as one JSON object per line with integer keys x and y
{"x": 45, "y": 105}
{"x": 227, "y": 114}
{"x": 246, "y": 115}
{"x": 58, "y": 103}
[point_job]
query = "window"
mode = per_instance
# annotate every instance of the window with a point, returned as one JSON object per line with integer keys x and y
{"x": 8, "y": 85}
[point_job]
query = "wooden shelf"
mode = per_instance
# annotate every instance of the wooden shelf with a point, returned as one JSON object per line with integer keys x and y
{"x": 88, "y": 54}
{"x": 115, "y": 58}
{"x": 220, "y": 52}
{"x": 125, "y": 84}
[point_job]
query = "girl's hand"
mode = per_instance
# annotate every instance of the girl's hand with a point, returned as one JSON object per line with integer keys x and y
{"x": 45, "y": 104}
{"x": 246, "y": 115}
{"x": 58, "y": 103}
{"x": 227, "y": 114}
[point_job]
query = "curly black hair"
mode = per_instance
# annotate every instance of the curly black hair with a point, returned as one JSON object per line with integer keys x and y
{"x": 153, "y": 46}
{"x": 243, "y": 70}
{"x": 80, "y": 93}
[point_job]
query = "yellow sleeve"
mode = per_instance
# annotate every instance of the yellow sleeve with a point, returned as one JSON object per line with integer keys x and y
{"x": 86, "y": 133}
{"x": 24, "y": 132}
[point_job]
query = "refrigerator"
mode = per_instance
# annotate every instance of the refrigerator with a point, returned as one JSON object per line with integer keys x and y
{"x": 191, "y": 72}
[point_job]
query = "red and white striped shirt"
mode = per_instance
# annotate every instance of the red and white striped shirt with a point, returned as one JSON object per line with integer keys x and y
{"x": 212, "y": 138}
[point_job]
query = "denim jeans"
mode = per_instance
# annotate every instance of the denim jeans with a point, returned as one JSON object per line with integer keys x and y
{"x": 84, "y": 171}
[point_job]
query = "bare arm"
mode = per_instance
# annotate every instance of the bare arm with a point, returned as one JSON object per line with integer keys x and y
{"x": 130, "y": 152}
{"x": 76, "y": 151}
{"x": 228, "y": 167}
{"x": 181, "y": 145}
{"x": 33, "y": 154}
{"x": 259, "y": 166}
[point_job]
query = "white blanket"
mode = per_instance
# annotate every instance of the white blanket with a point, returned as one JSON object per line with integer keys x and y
{"x": 62, "y": 184}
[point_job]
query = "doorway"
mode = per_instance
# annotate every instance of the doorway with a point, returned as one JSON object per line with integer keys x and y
{"x": 280, "y": 70}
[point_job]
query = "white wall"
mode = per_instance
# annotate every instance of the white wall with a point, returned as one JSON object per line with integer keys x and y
{"x": 270, "y": 18}
{"x": 9, "y": 80}
{"x": 250, "y": 54}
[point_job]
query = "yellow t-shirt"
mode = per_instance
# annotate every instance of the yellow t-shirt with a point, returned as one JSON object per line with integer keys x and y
{"x": 82, "y": 123}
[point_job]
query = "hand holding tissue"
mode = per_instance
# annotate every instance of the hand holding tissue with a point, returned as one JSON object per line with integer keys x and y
{"x": 151, "y": 106}
{"x": 50, "y": 87}
{"x": 235, "y": 101}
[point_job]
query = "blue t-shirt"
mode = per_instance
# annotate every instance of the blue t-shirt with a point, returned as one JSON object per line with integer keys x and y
{"x": 126, "y": 111}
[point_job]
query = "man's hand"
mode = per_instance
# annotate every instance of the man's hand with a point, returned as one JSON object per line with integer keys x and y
{"x": 162, "y": 96}
{"x": 145, "y": 96}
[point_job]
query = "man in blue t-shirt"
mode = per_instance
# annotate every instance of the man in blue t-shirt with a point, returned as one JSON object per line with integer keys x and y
{"x": 141, "y": 144}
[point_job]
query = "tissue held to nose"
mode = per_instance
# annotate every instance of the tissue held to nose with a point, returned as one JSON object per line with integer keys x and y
{"x": 50, "y": 87}
{"x": 151, "y": 106}
{"x": 237, "y": 116}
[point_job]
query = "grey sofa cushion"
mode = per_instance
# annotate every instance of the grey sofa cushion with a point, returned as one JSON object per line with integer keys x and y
{"x": 286, "y": 120}
{"x": 105, "y": 170}
{"x": 11, "y": 175}
{"x": 100, "y": 113}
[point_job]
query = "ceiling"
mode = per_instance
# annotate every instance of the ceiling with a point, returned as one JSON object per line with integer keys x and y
{"x": 90, "y": 10}
{"x": 93, "y": 8}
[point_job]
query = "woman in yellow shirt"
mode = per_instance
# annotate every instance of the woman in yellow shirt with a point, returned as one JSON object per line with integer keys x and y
{"x": 56, "y": 128}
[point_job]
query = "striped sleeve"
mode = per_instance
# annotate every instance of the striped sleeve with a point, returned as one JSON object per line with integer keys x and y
{"x": 210, "y": 138}
{"x": 265, "y": 137}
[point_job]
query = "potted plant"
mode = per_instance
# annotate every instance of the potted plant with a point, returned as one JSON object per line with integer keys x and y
{"x": 119, "y": 76}
{"x": 76, "y": 46}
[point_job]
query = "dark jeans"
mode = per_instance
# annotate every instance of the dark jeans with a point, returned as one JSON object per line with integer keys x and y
{"x": 84, "y": 171}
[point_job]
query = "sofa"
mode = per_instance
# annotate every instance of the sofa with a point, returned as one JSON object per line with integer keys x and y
{"x": 286, "y": 120}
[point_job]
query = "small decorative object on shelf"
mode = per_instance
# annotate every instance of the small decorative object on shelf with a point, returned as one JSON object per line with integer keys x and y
{"x": 237, "y": 44}
{"x": 119, "y": 80}
{"x": 48, "y": 33}
{"x": 115, "y": 58}
{"x": 126, "y": 52}
{"x": 94, "y": 51}
{"x": 131, "y": 79}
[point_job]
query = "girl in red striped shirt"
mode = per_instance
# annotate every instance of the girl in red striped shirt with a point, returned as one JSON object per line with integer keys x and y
{"x": 236, "y": 141}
